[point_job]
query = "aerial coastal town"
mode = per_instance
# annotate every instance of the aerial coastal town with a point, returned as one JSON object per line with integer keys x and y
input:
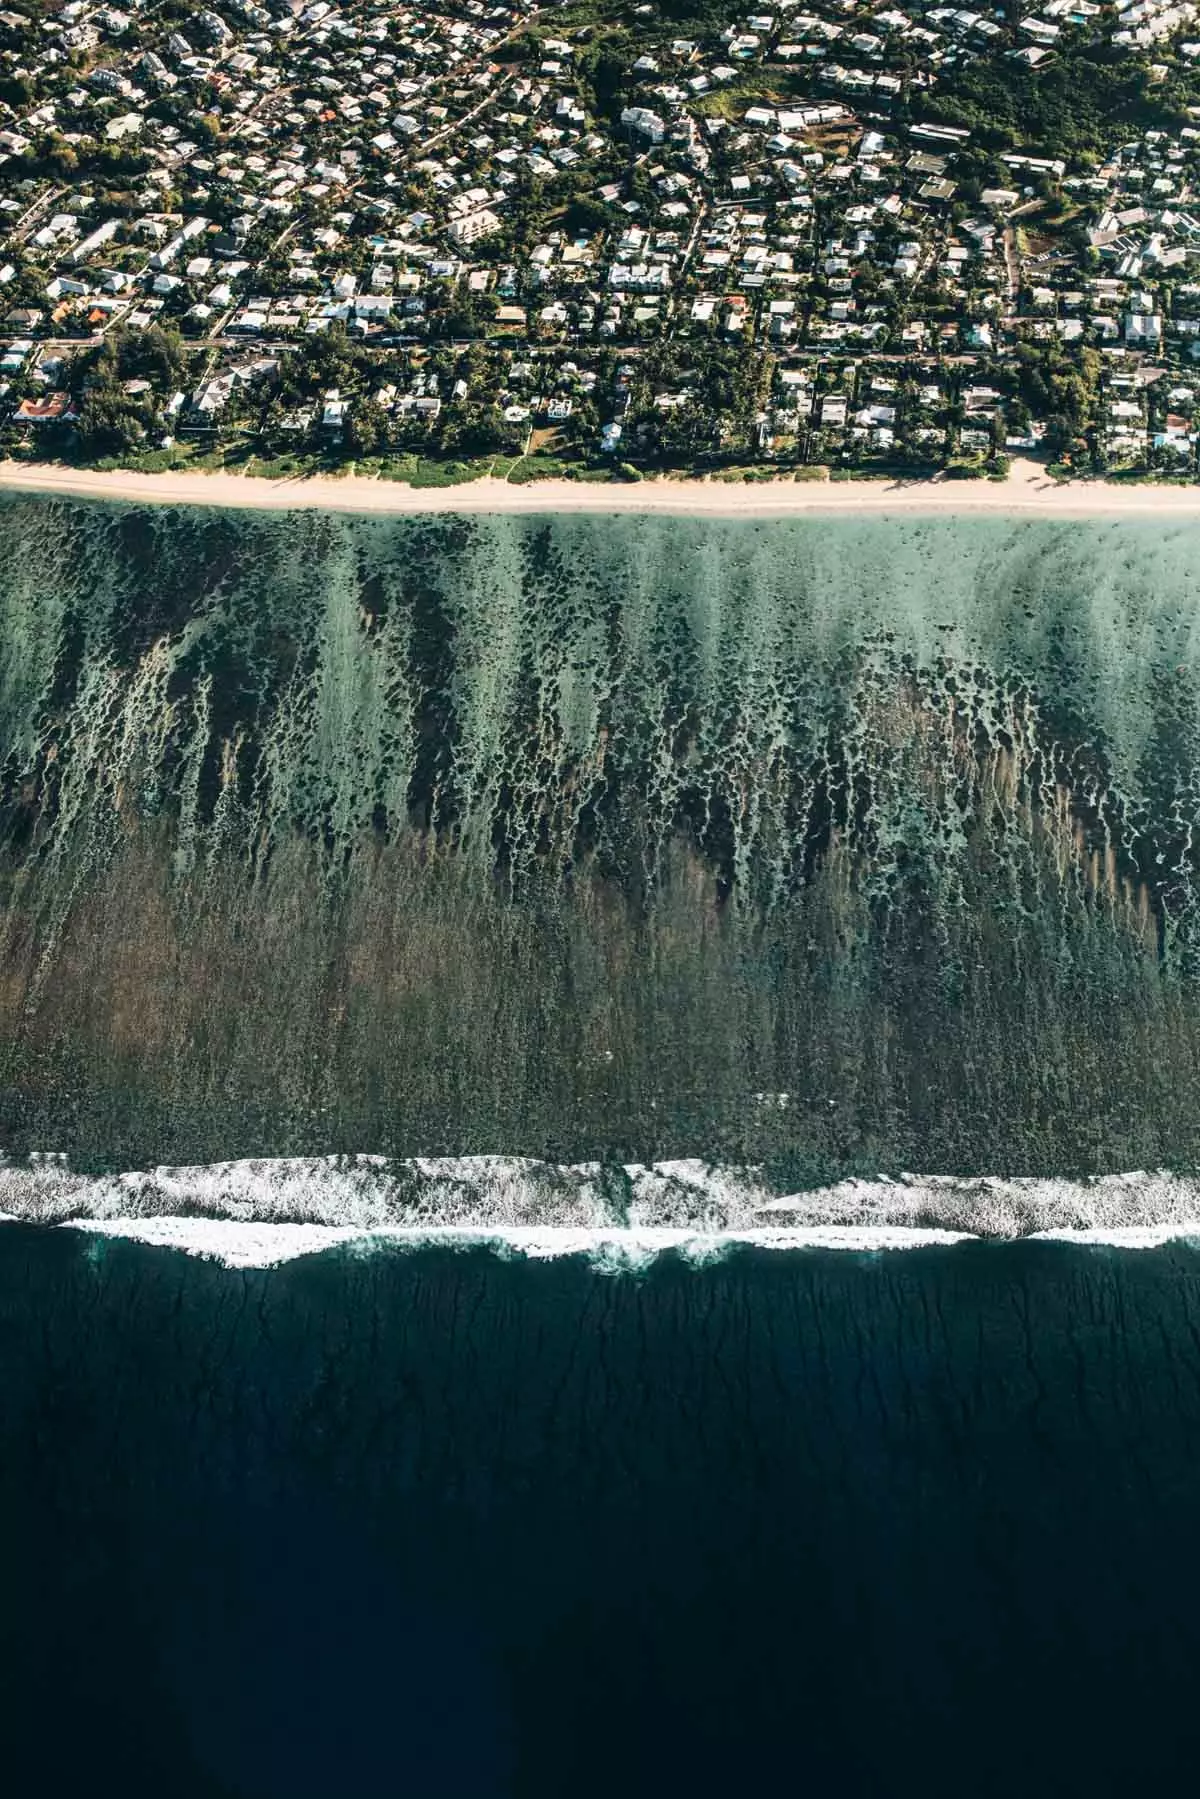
{"x": 601, "y": 238}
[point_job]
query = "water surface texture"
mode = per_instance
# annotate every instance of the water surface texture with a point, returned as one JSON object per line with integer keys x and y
{"x": 825, "y": 846}
{"x": 444, "y": 1526}
{"x": 508, "y": 954}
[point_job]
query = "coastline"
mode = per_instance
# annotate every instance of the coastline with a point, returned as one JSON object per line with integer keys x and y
{"x": 1028, "y": 491}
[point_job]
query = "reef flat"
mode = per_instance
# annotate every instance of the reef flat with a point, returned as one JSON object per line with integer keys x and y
{"x": 820, "y": 845}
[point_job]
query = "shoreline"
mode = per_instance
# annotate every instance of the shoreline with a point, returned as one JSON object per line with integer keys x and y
{"x": 613, "y": 1249}
{"x": 1028, "y": 492}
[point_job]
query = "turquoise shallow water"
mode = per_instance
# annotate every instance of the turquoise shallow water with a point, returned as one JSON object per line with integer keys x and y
{"x": 828, "y": 845}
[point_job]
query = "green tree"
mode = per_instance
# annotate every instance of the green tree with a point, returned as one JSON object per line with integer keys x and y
{"x": 366, "y": 429}
{"x": 109, "y": 422}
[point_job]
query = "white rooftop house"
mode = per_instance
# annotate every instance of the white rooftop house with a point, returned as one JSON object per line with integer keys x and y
{"x": 1143, "y": 328}
{"x": 644, "y": 122}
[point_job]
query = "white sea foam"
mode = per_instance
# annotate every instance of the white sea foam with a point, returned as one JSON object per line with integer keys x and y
{"x": 219, "y": 1240}
{"x": 1130, "y": 1236}
{"x": 238, "y": 1245}
{"x": 258, "y": 1212}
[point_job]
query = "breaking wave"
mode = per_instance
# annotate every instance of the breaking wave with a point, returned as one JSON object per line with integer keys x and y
{"x": 263, "y": 1212}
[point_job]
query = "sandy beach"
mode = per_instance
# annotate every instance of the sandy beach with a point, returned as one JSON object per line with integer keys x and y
{"x": 1029, "y": 490}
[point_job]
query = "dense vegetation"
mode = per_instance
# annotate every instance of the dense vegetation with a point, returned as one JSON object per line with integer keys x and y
{"x": 1073, "y": 106}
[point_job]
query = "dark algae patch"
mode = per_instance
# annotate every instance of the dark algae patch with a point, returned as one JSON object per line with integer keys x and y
{"x": 833, "y": 845}
{"x": 446, "y": 1526}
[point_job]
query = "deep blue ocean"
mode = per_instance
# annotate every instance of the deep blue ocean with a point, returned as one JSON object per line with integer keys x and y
{"x": 435, "y": 1524}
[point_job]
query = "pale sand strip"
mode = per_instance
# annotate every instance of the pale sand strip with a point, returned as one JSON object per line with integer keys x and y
{"x": 1028, "y": 491}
